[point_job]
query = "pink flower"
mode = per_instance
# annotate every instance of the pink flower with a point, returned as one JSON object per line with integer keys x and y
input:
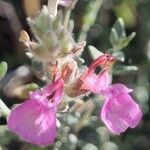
{"x": 88, "y": 80}
{"x": 65, "y": 3}
{"x": 97, "y": 82}
{"x": 119, "y": 110}
{"x": 35, "y": 119}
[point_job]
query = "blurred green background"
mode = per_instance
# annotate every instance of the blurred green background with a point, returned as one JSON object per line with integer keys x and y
{"x": 136, "y": 15}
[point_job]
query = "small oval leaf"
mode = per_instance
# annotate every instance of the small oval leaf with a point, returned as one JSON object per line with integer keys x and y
{"x": 3, "y": 69}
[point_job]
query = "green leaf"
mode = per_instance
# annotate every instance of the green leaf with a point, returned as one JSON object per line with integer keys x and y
{"x": 3, "y": 69}
{"x": 22, "y": 92}
{"x": 128, "y": 39}
{"x": 114, "y": 38}
{"x": 94, "y": 52}
{"x": 117, "y": 32}
{"x": 91, "y": 11}
{"x": 121, "y": 70}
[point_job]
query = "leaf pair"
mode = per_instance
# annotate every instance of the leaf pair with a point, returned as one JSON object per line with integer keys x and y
{"x": 118, "y": 37}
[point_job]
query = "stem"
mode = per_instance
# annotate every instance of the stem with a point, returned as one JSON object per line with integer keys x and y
{"x": 4, "y": 109}
{"x": 89, "y": 18}
{"x": 52, "y": 6}
{"x": 67, "y": 14}
{"x": 82, "y": 34}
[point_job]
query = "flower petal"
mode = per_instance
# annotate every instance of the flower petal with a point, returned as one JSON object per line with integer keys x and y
{"x": 120, "y": 112}
{"x": 88, "y": 81}
{"x": 97, "y": 83}
{"x": 33, "y": 122}
{"x": 121, "y": 88}
{"x": 103, "y": 81}
{"x": 105, "y": 61}
{"x": 54, "y": 91}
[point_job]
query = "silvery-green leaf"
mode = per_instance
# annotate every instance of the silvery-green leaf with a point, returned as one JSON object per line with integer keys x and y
{"x": 120, "y": 27}
{"x": 118, "y": 38}
{"x": 89, "y": 146}
{"x": 114, "y": 38}
{"x": 117, "y": 32}
{"x": 104, "y": 134}
{"x": 120, "y": 69}
{"x": 109, "y": 146}
{"x": 94, "y": 52}
{"x": 128, "y": 39}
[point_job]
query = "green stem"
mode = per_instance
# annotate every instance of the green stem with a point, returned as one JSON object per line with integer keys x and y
{"x": 52, "y": 6}
{"x": 89, "y": 18}
{"x": 67, "y": 13}
{"x": 83, "y": 34}
{"x": 4, "y": 109}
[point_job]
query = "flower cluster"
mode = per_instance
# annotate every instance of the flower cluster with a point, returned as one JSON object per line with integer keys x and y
{"x": 35, "y": 119}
